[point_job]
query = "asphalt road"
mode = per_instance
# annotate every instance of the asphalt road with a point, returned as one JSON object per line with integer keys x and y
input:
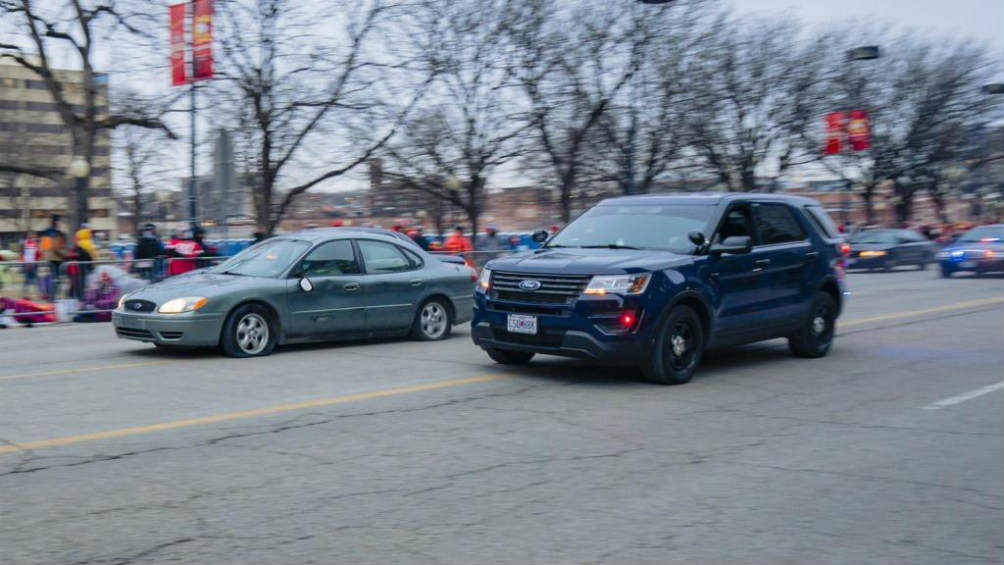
{"x": 889, "y": 450}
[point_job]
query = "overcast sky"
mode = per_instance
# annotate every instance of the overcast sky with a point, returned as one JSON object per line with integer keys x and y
{"x": 977, "y": 19}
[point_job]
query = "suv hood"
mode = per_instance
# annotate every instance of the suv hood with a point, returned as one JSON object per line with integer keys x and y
{"x": 578, "y": 261}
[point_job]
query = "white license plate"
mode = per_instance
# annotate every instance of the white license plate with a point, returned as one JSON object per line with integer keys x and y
{"x": 967, "y": 264}
{"x": 522, "y": 324}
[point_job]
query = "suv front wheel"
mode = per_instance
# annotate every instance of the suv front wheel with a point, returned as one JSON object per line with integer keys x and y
{"x": 678, "y": 348}
{"x": 815, "y": 336}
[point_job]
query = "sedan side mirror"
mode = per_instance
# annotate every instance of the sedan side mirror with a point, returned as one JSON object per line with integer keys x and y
{"x": 540, "y": 236}
{"x": 306, "y": 285}
{"x": 735, "y": 245}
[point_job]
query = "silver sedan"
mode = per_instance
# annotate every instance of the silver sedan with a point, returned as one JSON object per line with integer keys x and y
{"x": 312, "y": 285}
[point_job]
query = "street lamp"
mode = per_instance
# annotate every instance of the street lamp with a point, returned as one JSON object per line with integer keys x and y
{"x": 862, "y": 53}
{"x": 80, "y": 170}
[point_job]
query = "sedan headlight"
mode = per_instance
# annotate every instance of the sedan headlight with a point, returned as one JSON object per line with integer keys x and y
{"x": 181, "y": 305}
{"x": 122, "y": 300}
{"x": 618, "y": 284}
{"x": 872, "y": 254}
{"x": 484, "y": 281}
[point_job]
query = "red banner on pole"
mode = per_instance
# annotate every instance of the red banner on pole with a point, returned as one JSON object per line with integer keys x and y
{"x": 834, "y": 133}
{"x": 177, "y": 44}
{"x": 202, "y": 40}
{"x": 858, "y": 130}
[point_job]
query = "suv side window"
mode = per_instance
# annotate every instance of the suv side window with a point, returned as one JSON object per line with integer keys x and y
{"x": 331, "y": 259}
{"x": 778, "y": 224}
{"x": 737, "y": 221}
{"x": 381, "y": 257}
{"x": 822, "y": 221}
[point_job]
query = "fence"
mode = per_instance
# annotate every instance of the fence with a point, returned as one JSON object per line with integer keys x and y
{"x": 80, "y": 290}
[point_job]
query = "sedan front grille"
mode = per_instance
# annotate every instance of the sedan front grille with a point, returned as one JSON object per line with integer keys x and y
{"x": 138, "y": 306}
{"x": 134, "y": 333}
{"x": 552, "y": 289}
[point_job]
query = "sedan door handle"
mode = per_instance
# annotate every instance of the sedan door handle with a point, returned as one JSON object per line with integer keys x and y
{"x": 416, "y": 282}
{"x": 351, "y": 287}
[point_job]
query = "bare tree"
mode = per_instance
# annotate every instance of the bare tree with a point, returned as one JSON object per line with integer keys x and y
{"x": 305, "y": 100}
{"x": 755, "y": 95}
{"x": 470, "y": 124}
{"x": 76, "y": 26}
{"x": 922, "y": 96}
{"x": 571, "y": 65}
{"x": 140, "y": 160}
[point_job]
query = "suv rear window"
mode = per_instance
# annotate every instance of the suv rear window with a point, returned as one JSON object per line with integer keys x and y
{"x": 778, "y": 224}
{"x": 822, "y": 221}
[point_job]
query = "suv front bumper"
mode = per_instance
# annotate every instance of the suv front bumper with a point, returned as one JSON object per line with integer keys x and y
{"x": 577, "y": 332}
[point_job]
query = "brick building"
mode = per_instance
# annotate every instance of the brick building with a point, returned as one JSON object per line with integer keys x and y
{"x": 32, "y": 134}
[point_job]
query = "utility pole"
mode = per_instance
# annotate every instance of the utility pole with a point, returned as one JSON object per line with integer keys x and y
{"x": 193, "y": 193}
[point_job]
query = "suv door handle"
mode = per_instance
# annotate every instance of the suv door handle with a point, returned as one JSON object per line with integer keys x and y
{"x": 760, "y": 264}
{"x": 811, "y": 256}
{"x": 351, "y": 287}
{"x": 416, "y": 282}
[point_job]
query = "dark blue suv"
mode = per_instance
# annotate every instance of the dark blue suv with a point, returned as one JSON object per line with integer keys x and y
{"x": 655, "y": 280}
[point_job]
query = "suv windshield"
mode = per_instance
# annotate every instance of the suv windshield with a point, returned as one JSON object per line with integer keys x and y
{"x": 267, "y": 259}
{"x": 986, "y": 233}
{"x": 643, "y": 227}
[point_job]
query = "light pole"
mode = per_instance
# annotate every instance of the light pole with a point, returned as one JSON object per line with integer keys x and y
{"x": 80, "y": 171}
{"x": 863, "y": 53}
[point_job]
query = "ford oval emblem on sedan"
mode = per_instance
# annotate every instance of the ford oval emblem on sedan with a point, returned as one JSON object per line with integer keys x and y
{"x": 137, "y": 306}
{"x": 529, "y": 284}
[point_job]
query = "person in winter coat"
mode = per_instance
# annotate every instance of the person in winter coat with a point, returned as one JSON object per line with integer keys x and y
{"x": 457, "y": 242}
{"x": 183, "y": 251}
{"x": 52, "y": 245}
{"x": 148, "y": 250}
{"x": 29, "y": 256}
{"x": 80, "y": 258}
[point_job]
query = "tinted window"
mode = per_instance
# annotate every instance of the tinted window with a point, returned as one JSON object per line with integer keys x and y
{"x": 737, "y": 222}
{"x": 267, "y": 259}
{"x": 383, "y": 257}
{"x": 907, "y": 236}
{"x": 331, "y": 259}
{"x": 778, "y": 224}
{"x": 823, "y": 221}
{"x": 646, "y": 227}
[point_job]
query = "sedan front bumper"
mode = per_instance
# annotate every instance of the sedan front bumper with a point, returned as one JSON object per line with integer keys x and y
{"x": 192, "y": 329}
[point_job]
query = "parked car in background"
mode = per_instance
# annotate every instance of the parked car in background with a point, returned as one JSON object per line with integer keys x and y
{"x": 889, "y": 248}
{"x": 979, "y": 250}
{"x": 652, "y": 281}
{"x": 318, "y": 284}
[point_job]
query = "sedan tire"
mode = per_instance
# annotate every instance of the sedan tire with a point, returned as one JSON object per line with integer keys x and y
{"x": 248, "y": 332}
{"x": 433, "y": 321}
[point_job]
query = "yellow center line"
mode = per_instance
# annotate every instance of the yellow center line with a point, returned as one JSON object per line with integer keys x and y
{"x": 81, "y": 370}
{"x": 244, "y": 414}
{"x": 921, "y": 312}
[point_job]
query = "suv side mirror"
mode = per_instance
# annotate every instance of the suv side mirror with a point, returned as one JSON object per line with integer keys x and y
{"x": 696, "y": 237}
{"x": 735, "y": 245}
{"x": 540, "y": 236}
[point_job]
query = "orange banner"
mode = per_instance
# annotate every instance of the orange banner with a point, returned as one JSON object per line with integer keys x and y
{"x": 202, "y": 40}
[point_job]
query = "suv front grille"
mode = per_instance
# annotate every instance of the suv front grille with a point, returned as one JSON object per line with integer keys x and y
{"x": 554, "y": 289}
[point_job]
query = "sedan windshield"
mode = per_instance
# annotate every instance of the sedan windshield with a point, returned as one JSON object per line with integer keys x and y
{"x": 639, "y": 227}
{"x": 994, "y": 234}
{"x": 267, "y": 259}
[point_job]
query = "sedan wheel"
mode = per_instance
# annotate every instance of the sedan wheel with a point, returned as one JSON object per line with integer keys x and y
{"x": 433, "y": 321}
{"x": 248, "y": 332}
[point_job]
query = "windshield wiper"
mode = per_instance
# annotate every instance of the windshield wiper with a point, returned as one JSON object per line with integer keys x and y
{"x": 609, "y": 246}
{"x": 236, "y": 274}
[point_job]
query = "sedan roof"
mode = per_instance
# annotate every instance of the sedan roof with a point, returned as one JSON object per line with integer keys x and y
{"x": 315, "y": 235}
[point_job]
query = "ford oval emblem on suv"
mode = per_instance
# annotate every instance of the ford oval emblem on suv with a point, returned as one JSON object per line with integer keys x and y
{"x": 529, "y": 284}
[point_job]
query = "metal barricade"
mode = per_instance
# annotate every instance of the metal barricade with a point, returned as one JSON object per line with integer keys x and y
{"x": 475, "y": 259}
{"x": 83, "y": 291}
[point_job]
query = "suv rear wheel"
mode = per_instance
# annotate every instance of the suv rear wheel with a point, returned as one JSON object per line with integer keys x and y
{"x": 815, "y": 336}
{"x": 678, "y": 348}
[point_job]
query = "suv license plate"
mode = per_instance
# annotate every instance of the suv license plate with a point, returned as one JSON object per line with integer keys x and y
{"x": 522, "y": 324}
{"x": 967, "y": 264}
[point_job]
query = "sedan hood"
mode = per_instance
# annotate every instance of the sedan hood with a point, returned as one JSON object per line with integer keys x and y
{"x": 199, "y": 284}
{"x": 578, "y": 261}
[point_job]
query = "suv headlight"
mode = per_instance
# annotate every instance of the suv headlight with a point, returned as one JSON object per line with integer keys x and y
{"x": 484, "y": 281}
{"x": 618, "y": 284}
{"x": 181, "y": 305}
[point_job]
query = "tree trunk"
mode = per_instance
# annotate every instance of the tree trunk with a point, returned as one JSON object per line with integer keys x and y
{"x": 137, "y": 207}
{"x": 868, "y": 196}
